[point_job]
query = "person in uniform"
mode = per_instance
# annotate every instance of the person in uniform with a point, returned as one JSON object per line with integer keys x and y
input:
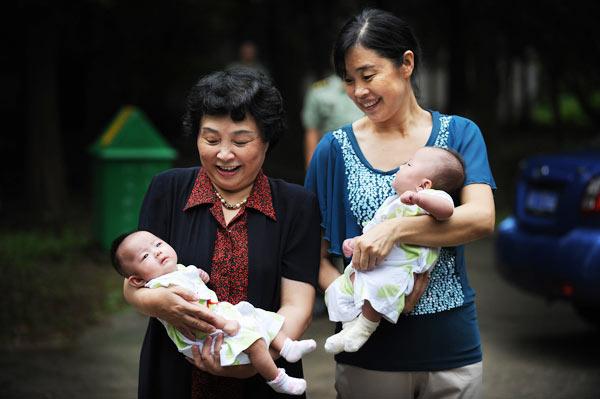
{"x": 326, "y": 107}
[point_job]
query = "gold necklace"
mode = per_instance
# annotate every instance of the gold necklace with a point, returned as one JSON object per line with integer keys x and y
{"x": 229, "y": 205}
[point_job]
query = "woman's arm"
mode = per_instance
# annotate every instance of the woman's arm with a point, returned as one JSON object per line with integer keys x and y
{"x": 173, "y": 306}
{"x": 473, "y": 219}
{"x": 297, "y": 300}
{"x": 210, "y": 362}
{"x": 327, "y": 270}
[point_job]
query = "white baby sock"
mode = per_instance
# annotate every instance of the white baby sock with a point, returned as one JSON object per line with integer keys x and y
{"x": 293, "y": 351}
{"x": 359, "y": 333}
{"x": 335, "y": 343}
{"x": 283, "y": 383}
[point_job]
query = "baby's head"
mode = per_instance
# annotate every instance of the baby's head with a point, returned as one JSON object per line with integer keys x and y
{"x": 141, "y": 256}
{"x": 431, "y": 167}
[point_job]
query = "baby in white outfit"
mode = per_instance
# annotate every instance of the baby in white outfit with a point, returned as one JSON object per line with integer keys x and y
{"x": 146, "y": 260}
{"x": 361, "y": 298}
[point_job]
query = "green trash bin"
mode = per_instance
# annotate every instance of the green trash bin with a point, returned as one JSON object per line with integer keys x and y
{"x": 126, "y": 157}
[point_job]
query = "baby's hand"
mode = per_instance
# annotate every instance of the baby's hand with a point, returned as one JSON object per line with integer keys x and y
{"x": 203, "y": 275}
{"x": 348, "y": 247}
{"x": 409, "y": 197}
{"x": 231, "y": 327}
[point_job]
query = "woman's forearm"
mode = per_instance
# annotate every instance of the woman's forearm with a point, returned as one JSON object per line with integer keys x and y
{"x": 297, "y": 320}
{"x": 174, "y": 305}
{"x": 327, "y": 270}
{"x": 136, "y": 297}
{"x": 297, "y": 301}
{"x": 472, "y": 220}
{"x": 467, "y": 224}
{"x": 327, "y": 273}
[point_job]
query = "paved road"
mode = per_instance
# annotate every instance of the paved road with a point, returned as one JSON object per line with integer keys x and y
{"x": 531, "y": 350}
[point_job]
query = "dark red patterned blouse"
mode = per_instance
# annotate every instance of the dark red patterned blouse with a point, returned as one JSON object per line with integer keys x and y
{"x": 229, "y": 269}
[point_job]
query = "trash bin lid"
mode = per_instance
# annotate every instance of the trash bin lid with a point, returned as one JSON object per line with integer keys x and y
{"x": 131, "y": 135}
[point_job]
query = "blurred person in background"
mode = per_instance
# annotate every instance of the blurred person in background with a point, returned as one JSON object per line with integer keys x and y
{"x": 326, "y": 107}
{"x": 434, "y": 350}
{"x": 248, "y": 57}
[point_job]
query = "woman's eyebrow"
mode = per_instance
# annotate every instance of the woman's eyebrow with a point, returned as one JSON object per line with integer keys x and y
{"x": 243, "y": 131}
{"x": 365, "y": 67}
{"x": 209, "y": 129}
{"x": 237, "y": 132}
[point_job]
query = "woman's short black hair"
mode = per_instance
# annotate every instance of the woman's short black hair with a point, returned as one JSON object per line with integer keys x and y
{"x": 235, "y": 92}
{"x": 380, "y": 31}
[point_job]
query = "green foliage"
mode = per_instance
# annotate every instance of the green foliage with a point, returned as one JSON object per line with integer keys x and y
{"x": 570, "y": 111}
{"x": 595, "y": 100}
{"x": 53, "y": 285}
{"x": 542, "y": 114}
{"x": 27, "y": 247}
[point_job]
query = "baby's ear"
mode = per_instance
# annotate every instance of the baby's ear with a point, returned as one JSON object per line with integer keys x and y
{"x": 425, "y": 184}
{"x": 136, "y": 281}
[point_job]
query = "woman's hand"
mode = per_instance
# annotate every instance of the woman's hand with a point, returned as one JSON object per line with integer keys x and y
{"x": 173, "y": 305}
{"x": 419, "y": 287}
{"x": 178, "y": 307}
{"x": 373, "y": 246}
{"x": 210, "y": 362}
{"x": 470, "y": 221}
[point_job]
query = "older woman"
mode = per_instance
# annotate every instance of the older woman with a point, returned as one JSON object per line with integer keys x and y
{"x": 257, "y": 237}
{"x": 434, "y": 351}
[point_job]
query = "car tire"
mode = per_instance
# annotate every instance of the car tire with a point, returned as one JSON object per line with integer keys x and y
{"x": 590, "y": 314}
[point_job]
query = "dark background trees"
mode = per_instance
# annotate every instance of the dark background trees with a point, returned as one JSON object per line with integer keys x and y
{"x": 527, "y": 73}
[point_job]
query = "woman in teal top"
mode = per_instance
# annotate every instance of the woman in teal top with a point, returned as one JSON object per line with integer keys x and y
{"x": 435, "y": 350}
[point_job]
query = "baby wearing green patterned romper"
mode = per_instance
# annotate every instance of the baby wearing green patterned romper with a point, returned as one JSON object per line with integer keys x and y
{"x": 147, "y": 261}
{"x": 361, "y": 298}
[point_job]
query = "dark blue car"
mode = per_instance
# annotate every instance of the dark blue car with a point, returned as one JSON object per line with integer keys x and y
{"x": 551, "y": 245}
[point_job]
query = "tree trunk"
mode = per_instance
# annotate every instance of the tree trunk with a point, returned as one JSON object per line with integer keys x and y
{"x": 45, "y": 163}
{"x": 458, "y": 92}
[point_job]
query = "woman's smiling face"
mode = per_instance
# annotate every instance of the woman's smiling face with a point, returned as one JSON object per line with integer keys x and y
{"x": 232, "y": 153}
{"x": 375, "y": 84}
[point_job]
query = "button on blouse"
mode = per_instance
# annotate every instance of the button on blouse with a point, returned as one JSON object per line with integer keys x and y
{"x": 229, "y": 265}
